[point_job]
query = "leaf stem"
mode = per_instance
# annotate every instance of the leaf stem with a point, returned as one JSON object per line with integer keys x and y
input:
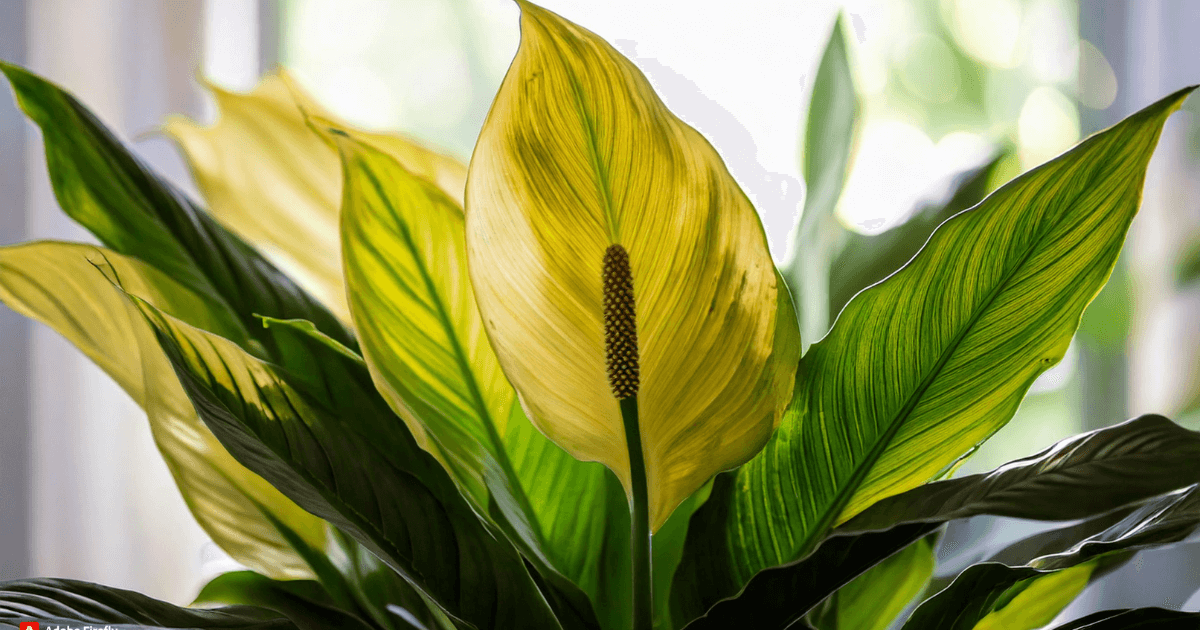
{"x": 639, "y": 543}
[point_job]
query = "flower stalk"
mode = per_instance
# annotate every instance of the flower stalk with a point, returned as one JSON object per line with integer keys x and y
{"x": 621, "y": 355}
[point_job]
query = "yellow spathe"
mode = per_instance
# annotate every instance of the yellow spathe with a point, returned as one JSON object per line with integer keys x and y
{"x": 578, "y": 153}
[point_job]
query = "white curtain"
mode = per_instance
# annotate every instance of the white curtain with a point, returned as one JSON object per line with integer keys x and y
{"x": 103, "y": 506}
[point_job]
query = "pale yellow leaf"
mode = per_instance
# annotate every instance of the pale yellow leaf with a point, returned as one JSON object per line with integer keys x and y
{"x": 69, "y": 287}
{"x": 269, "y": 177}
{"x": 578, "y": 153}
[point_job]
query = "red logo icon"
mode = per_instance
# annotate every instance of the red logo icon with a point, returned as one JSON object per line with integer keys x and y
{"x": 29, "y": 625}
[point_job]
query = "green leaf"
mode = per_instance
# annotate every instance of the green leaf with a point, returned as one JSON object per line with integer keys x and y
{"x": 830, "y": 132}
{"x": 921, "y": 368}
{"x": 304, "y": 602}
{"x": 779, "y": 597}
{"x": 71, "y": 602}
{"x": 994, "y": 596}
{"x": 135, "y": 212}
{"x": 308, "y": 329}
{"x": 667, "y": 552}
{"x": 866, "y": 259}
{"x": 68, "y": 287}
{"x": 1166, "y": 520}
{"x": 342, "y": 454}
{"x": 333, "y": 371}
{"x": 1079, "y": 477}
{"x": 1130, "y": 462}
{"x": 875, "y": 598}
{"x": 327, "y": 576}
{"x": 1056, "y": 540}
{"x": 830, "y": 135}
{"x": 998, "y": 597}
{"x": 412, "y": 303}
{"x": 378, "y": 588}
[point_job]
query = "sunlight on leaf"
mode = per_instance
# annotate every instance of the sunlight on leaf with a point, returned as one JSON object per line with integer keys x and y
{"x": 423, "y": 339}
{"x": 269, "y": 177}
{"x": 61, "y": 285}
{"x": 578, "y": 153}
{"x": 924, "y": 366}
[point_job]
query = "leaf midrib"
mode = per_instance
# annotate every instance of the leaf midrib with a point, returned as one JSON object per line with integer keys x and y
{"x": 499, "y": 451}
{"x": 884, "y": 441}
{"x": 589, "y": 127}
{"x": 330, "y": 495}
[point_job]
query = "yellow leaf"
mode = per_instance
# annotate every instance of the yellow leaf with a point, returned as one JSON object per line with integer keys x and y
{"x": 577, "y": 154}
{"x": 62, "y": 286}
{"x": 269, "y": 177}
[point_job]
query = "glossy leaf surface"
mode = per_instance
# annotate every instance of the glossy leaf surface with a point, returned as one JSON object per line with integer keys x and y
{"x": 1079, "y": 477}
{"x": 992, "y": 595}
{"x": 303, "y": 602}
{"x": 68, "y": 286}
{"x": 1137, "y": 441}
{"x": 578, "y": 153}
{"x": 1164, "y": 521}
{"x": 921, "y": 368}
{"x": 1135, "y": 619}
{"x": 342, "y": 454}
{"x": 378, "y": 589}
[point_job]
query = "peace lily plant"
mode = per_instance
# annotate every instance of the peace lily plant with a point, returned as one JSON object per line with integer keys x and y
{"x": 562, "y": 388}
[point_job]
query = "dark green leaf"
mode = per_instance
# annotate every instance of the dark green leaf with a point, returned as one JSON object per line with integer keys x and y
{"x": 1166, "y": 520}
{"x": 1057, "y": 540}
{"x": 923, "y": 367}
{"x": 1034, "y": 594}
{"x": 333, "y": 372}
{"x": 1130, "y": 462}
{"x": 378, "y": 588}
{"x": 133, "y": 211}
{"x": 332, "y": 582}
{"x": 995, "y": 589}
{"x": 778, "y": 597}
{"x": 667, "y": 550}
{"x": 71, "y": 602}
{"x": 1079, "y": 477}
{"x": 1136, "y": 619}
{"x": 874, "y": 599}
{"x": 343, "y": 455}
{"x": 304, "y": 602}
